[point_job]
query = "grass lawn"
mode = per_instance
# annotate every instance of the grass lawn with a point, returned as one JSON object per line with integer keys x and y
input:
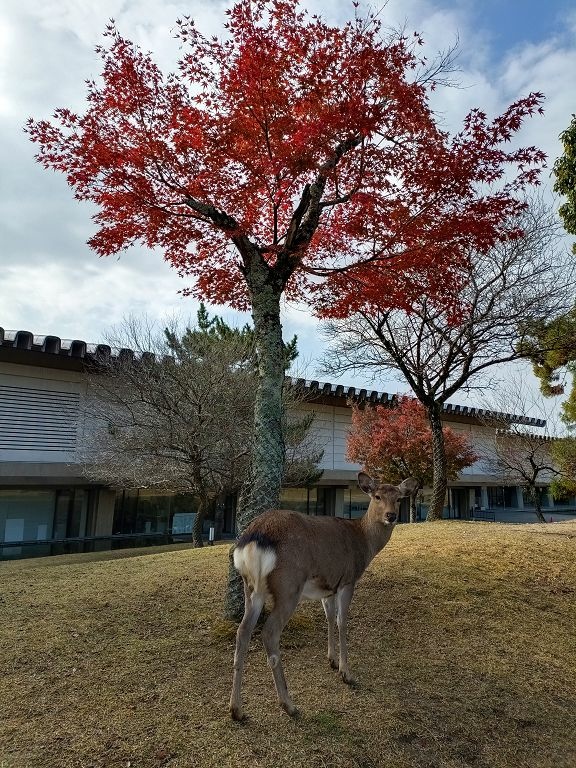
{"x": 462, "y": 637}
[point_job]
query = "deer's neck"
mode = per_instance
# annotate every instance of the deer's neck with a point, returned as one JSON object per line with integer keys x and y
{"x": 376, "y": 533}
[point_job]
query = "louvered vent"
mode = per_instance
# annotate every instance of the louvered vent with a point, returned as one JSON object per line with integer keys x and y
{"x": 37, "y": 419}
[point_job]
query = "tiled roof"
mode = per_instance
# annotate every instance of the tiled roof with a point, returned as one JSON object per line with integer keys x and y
{"x": 77, "y": 350}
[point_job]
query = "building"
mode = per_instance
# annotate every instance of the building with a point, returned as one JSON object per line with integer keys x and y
{"x": 47, "y": 506}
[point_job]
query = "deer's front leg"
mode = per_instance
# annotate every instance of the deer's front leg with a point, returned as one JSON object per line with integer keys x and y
{"x": 343, "y": 599}
{"x": 329, "y": 605}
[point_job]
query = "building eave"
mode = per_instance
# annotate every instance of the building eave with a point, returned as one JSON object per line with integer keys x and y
{"x": 25, "y": 348}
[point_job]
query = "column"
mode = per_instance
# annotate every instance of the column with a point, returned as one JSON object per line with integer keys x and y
{"x": 339, "y": 502}
{"x": 104, "y": 513}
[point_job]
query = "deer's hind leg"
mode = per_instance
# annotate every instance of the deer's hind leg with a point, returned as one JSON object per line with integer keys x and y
{"x": 253, "y": 604}
{"x": 285, "y": 602}
{"x": 343, "y": 600}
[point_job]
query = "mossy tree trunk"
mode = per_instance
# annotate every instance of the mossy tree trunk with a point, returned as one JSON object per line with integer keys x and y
{"x": 199, "y": 522}
{"x": 413, "y": 507}
{"x": 261, "y": 491}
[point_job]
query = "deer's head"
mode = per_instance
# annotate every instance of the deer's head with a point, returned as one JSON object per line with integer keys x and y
{"x": 385, "y": 498}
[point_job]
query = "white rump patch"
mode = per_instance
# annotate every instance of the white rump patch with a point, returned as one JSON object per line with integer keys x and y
{"x": 255, "y": 563}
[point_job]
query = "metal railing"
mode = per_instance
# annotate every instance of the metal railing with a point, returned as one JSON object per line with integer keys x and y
{"x": 10, "y": 550}
{"x": 484, "y": 514}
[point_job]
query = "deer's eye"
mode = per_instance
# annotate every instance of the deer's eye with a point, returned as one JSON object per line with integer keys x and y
{"x": 377, "y": 497}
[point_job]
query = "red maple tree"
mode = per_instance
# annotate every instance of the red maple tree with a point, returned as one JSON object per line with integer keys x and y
{"x": 288, "y": 158}
{"x": 395, "y": 443}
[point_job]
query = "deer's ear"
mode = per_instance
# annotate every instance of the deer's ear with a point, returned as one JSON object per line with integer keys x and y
{"x": 366, "y": 483}
{"x": 408, "y": 487}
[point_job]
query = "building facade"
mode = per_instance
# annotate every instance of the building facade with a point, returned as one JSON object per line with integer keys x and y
{"x": 47, "y": 506}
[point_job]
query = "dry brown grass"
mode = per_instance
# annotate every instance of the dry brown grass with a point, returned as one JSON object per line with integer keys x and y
{"x": 462, "y": 636}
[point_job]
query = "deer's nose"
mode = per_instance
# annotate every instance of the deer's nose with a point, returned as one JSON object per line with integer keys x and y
{"x": 391, "y": 517}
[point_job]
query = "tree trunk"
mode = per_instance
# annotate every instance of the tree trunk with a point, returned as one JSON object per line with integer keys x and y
{"x": 218, "y": 518}
{"x": 413, "y": 507}
{"x": 268, "y": 452}
{"x": 538, "y": 505}
{"x": 261, "y": 491}
{"x": 199, "y": 523}
{"x": 439, "y": 464}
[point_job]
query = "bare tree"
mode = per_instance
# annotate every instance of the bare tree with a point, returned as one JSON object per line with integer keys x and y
{"x": 440, "y": 352}
{"x": 515, "y": 452}
{"x": 174, "y": 410}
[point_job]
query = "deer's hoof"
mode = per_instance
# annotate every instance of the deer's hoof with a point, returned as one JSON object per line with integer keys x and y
{"x": 288, "y": 707}
{"x": 236, "y": 714}
{"x": 348, "y": 679}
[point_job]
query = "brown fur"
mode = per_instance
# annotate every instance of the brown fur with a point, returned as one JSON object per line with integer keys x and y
{"x": 298, "y": 552}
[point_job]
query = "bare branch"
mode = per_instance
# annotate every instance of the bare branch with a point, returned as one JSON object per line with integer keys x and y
{"x": 516, "y": 283}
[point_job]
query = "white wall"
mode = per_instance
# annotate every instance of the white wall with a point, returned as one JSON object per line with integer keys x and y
{"x": 332, "y": 424}
{"x": 330, "y": 429}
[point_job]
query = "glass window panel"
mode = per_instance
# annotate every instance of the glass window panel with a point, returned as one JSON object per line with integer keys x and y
{"x": 125, "y": 512}
{"x": 153, "y": 513}
{"x": 564, "y": 501}
{"x": 77, "y": 515}
{"x": 528, "y": 497}
{"x": 26, "y": 515}
{"x": 355, "y": 503}
{"x": 297, "y": 499}
{"x": 495, "y": 497}
{"x": 183, "y": 513}
{"x": 229, "y": 522}
{"x": 510, "y": 496}
{"x": 63, "y": 500}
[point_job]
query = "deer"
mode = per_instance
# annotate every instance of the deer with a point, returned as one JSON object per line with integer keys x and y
{"x": 285, "y": 557}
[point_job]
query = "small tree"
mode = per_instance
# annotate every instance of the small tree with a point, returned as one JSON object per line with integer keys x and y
{"x": 178, "y": 414}
{"x": 522, "y": 458}
{"x": 395, "y": 443}
{"x": 440, "y": 351}
{"x": 516, "y": 452}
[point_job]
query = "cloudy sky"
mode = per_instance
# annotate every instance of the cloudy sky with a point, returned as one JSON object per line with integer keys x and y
{"x": 50, "y": 281}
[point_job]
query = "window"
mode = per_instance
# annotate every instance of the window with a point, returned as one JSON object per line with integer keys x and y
{"x": 355, "y": 503}
{"x": 564, "y": 501}
{"x": 149, "y": 512}
{"x": 502, "y": 497}
{"x": 153, "y": 512}
{"x": 26, "y": 515}
{"x": 528, "y": 496}
{"x": 495, "y": 497}
{"x": 183, "y": 512}
{"x": 299, "y": 499}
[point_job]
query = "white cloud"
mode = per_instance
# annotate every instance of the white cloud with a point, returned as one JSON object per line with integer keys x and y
{"x": 81, "y": 300}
